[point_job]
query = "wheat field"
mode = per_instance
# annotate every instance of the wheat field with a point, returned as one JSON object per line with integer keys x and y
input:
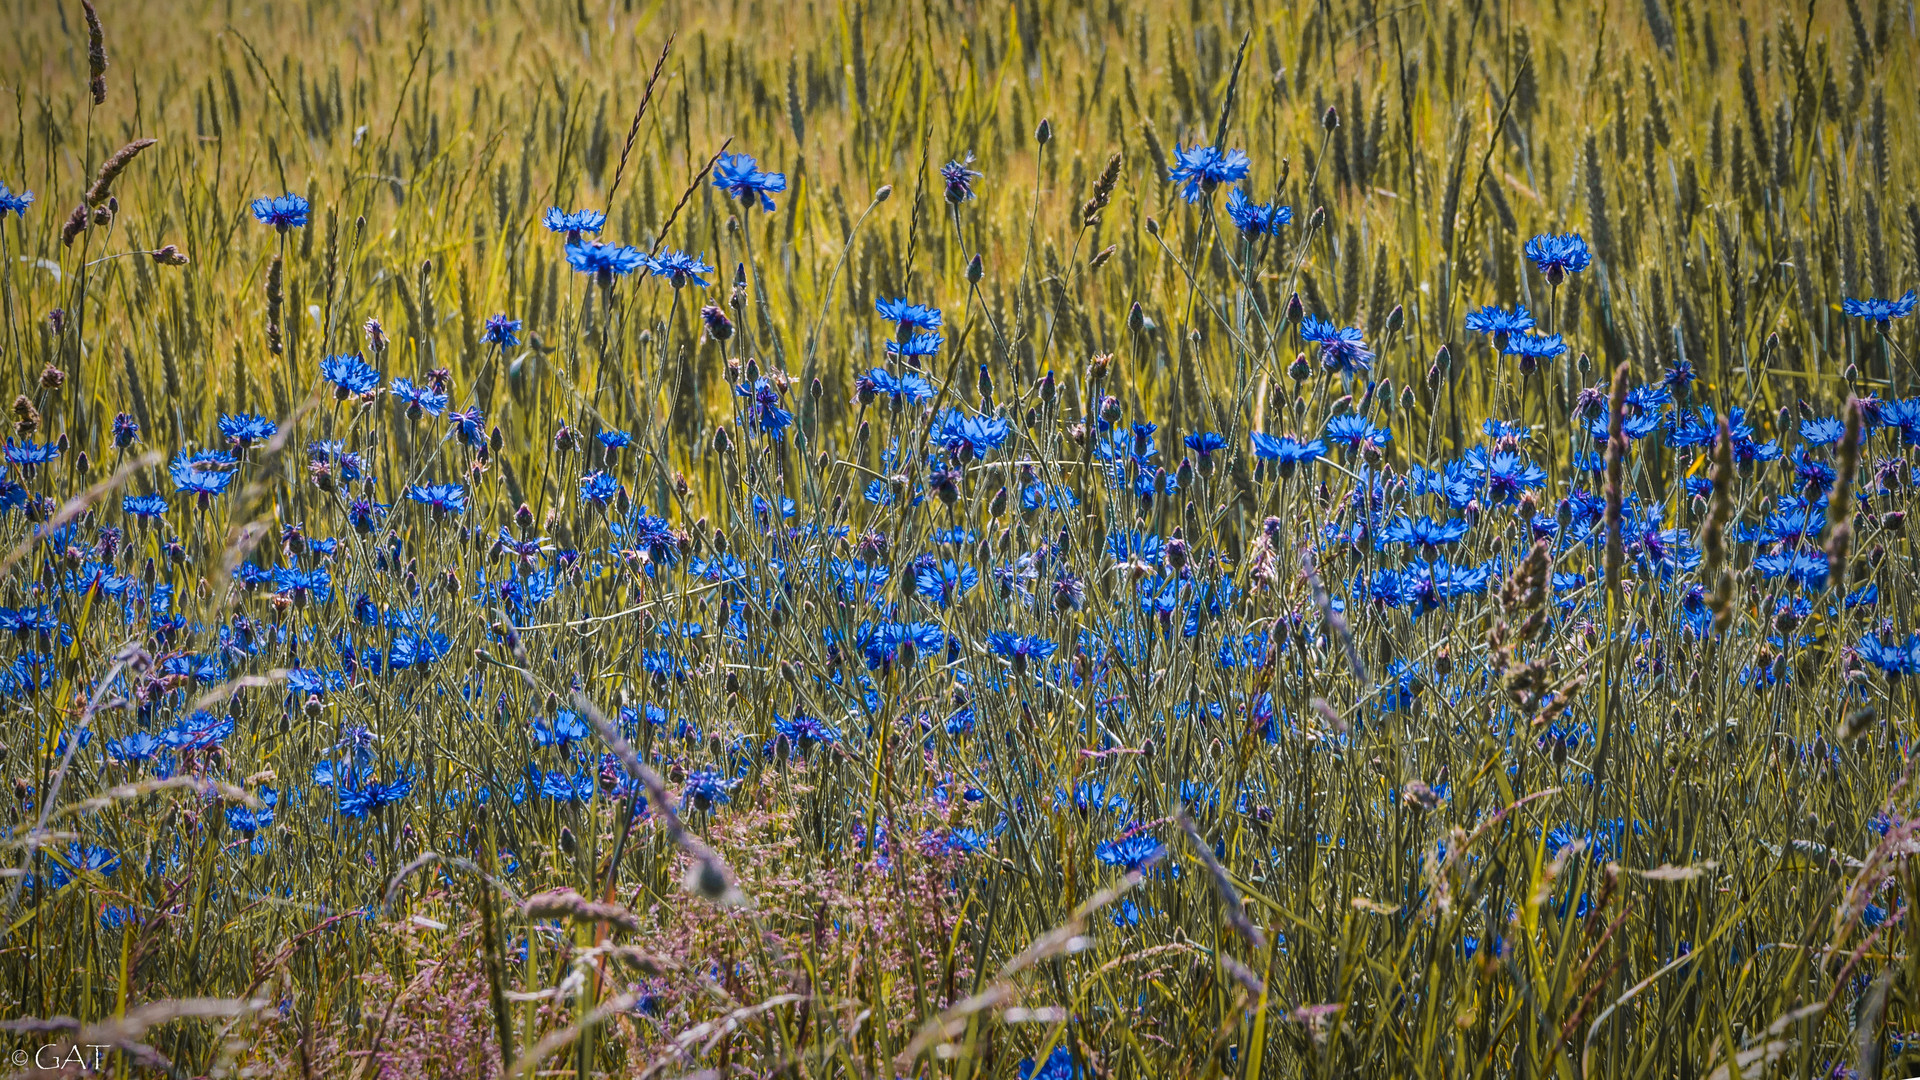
{"x": 959, "y": 539}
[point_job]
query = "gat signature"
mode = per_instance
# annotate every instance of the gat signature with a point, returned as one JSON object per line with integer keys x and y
{"x": 61, "y": 1055}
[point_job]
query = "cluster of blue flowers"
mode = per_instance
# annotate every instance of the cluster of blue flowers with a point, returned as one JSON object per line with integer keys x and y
{"x": 1004, "y": 622}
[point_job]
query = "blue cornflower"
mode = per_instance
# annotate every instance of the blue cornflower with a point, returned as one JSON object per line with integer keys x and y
{"x": 125, "y": 430}
{"x": 1256, "y": 219}
{"x": 144, "y": 506}
{"x": 1508, "y": 475}
{"x": 1812, "y": 473}
{"x": 139, "y": 746}
{"x": 884, "y": 643}
{"x": 604, "y": 261}
{"x": 678, "y": 268}
{"x": 349, "y": 374}
{"x": 908, "y": 316}
{"x": 614, "y": 440}
{"x": 358, "y": 802}
{"x": 803, "y": 732}
{"x": 925, "y": 344}
{"x": 29, "y": 453}
{"x": 574, "y": 223}
{"x": 414, "y": 649}
{"x": 298, "y": 583}
{"x": 468, "y": 425}
{"x": 13, "y": 201}
{"x": 1534, "y": 347}
{"x": 1131, "y": 853}
{"x": 706, "y": 788}
{"x": 1287, "y": 452}
{"x": 189, "y": 477}
{"x": 246, "y": 429}
{"x": 501, "y": 331}
{"x": 911, "y": 385}
{"x": 1424, "y": 532}
{"x": 419, "y": 399}
{"x": 200, "y": 730}
{"x": 976, "y": 435}
{"x": 1059, "y": 1064}
{"x": 1019, "y": 648}
{"x": 959, "y": 179}
{"x": 315, "y": 681}
{"x": 1342, "y": 349}
{"x": 1680, "y": 376}
{"x": 289, "y": 211}
{"x": 1558, "y": 255}
{"x": 443, "y": 499}
{"x": 944, "y": 580}
{"x": 1496, "y": 320}
{"x": 567, "y": 728}
{"x": 599, "y": 488}
{"x": 1895, "y": 660}
{"x": 1201, "y": 169}
{"x": 1355, "y": 431}
{"x": 1876, "y": 310}
{"x": 1903, "y": 414}
{"x": 1822, "y": 430}
{"x": 739, "y": 175}
{"x": 1206, "y": 443}
{"x": 79, "y": 860}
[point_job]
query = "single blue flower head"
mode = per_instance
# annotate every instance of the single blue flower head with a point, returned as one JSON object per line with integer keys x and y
{"x": 908, "y": 316}
{"x": 442, "y": 499}
{"x": 574, "y": 222}
{"x": 1558, "y": 255}
{"x": 501, "y": 331}
{"x": 288, "y": 211}
{"x": 1132, "y": 853}
{"x": 959, "y": 178}
{"x": 678, "y": 268}
{"x": 1206, "y": 443}
{"x": 418, "y": 398}
{"x": 1256, "y": 219}
{"x": 1534, "y": 346}
{"x": 247, "y": 429}
{"x": 1202, "y": 168}
{"x": 349, "y": 374}
{"x": 144, "y": 507}
{"x": 1494, "y": 319}
{"x": 1822, "y": 430}
{"x": 28, "y": 452}
{"x": 14, "y": 202}
{"x": 911, "y": 385}
{"x": 599, "y": 488}
{"x": 1342, "y": 349}
{"x": 605, "y": 261}
{"x": 926, "y": 344}
{"x": 1355, "y": 431}
{"x": 1877, "y": 310}
{"x": 739, "y": 175}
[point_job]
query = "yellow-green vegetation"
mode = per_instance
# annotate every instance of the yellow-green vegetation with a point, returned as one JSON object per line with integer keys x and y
{"x": 1118, "y": 540}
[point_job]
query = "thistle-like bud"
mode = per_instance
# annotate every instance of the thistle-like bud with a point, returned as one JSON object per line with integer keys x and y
{"x": 976, "y": 269}
{"x": 1136, "y": 318}
{"x": 1331, "y": 119}
{"x": 1044, "y": 133}
{"x": 884, "y": 193}
{"x": 1299, "y": 369}
{"x": 1296, "y": 310}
